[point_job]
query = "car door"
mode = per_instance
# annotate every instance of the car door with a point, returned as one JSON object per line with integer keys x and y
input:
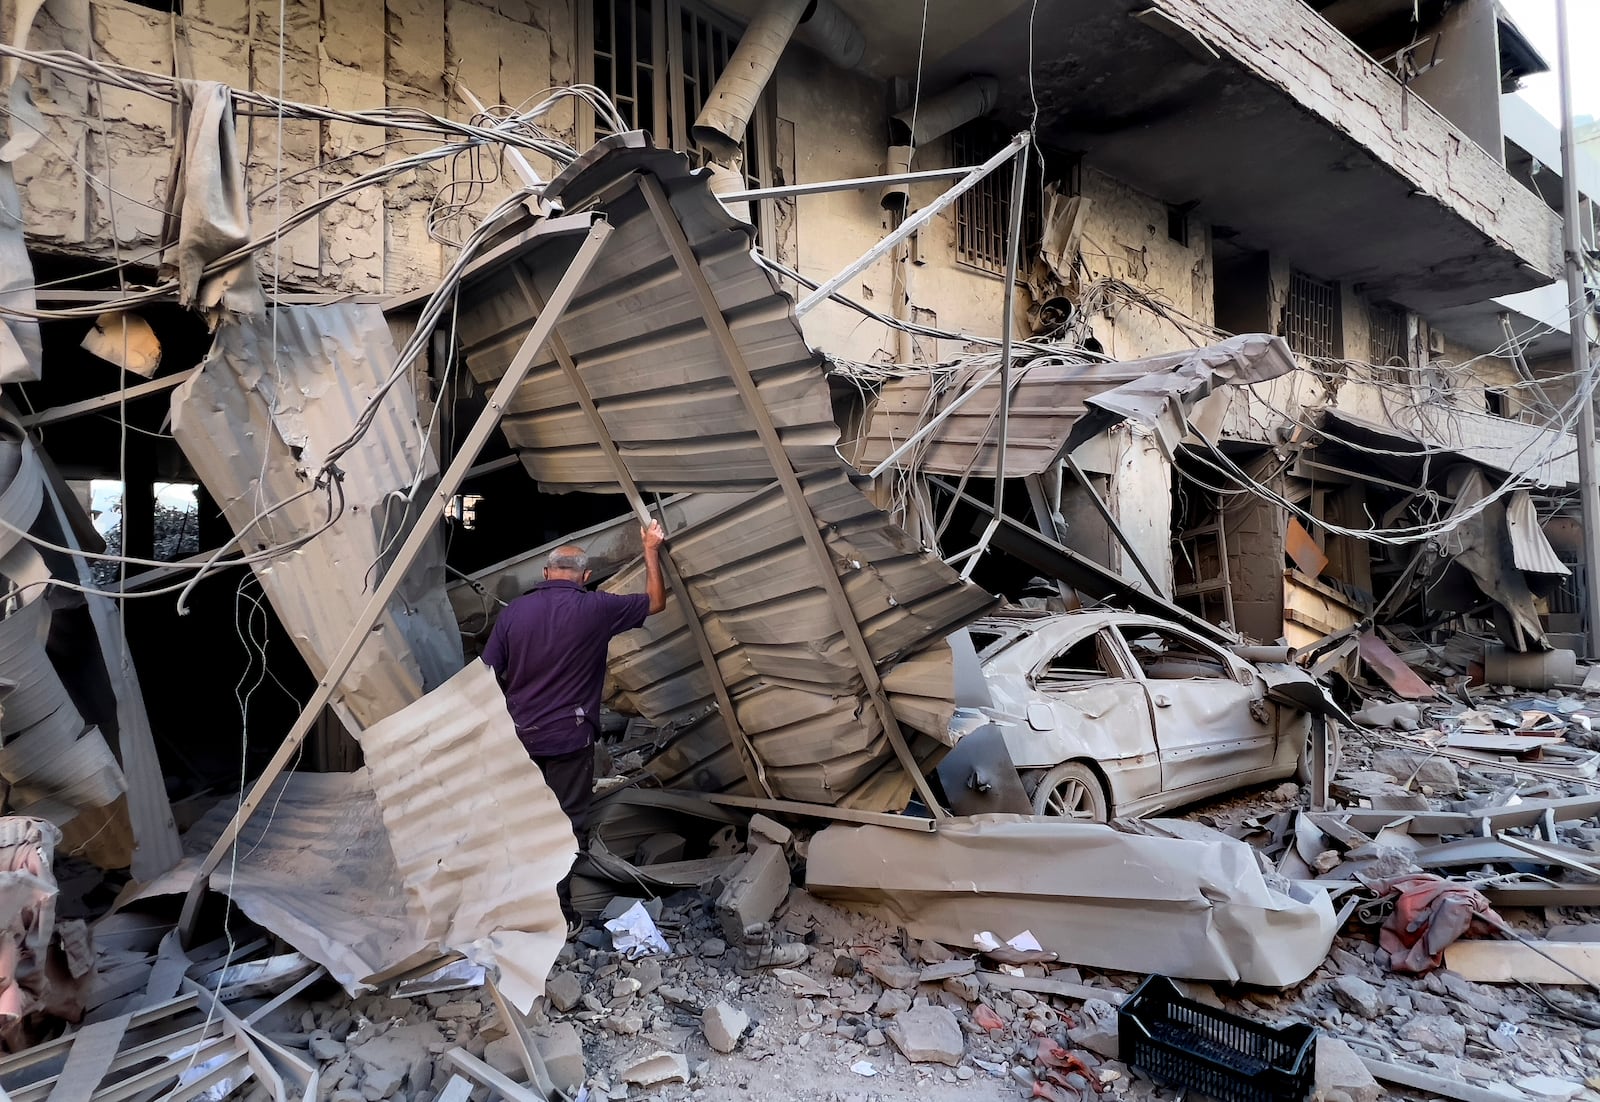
{"x": 1211, "y": 719}
{"x": 1086, "y": 704}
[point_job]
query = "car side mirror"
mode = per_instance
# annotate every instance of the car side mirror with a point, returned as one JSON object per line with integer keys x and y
{"x": 1041, "y": 717}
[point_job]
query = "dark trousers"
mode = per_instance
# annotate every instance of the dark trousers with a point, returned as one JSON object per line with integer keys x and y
{"x": 571, "y": 777}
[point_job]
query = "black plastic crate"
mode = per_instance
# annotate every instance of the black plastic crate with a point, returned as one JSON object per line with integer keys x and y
{"x": 1232, "y": 1059}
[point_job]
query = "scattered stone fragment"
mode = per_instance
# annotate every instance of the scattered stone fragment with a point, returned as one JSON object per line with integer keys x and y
{"x": 938, "y": 973}
{"x": 723, "y": 1025}
{"x": 845, "y": 966}
{"x": 1548, "y": 1088}
{"x": 1437, "y": 773}
{"x": 1024, "y": 1000}
{"x": 563, "y": 990}
{"x": 380, "y": 1083}
{"x": 1340, "y": 1069}
{"x": 505, "y": 1056}
{"x": 713, "y": 947}
{"x": 648, "y": 973}
{"x": 1357, "y": 996}
{"x": 931, "y": 952}
{"x": 625, "y": 987}
{"x": 453, "y": 1012}
{"x": 1436, "y": 1034}
{"x": 928, "y": 1034}
{"x": 561, "y": 1048}
{"x": 965, "y": 988}
{"x": 892, "y": 973}
{"x": 892, "y": 1002}
{"x": 323, "y": 1047}
{"x": 1288, "y": 790}
{"x": 1097, "y": 1029}
{"x": 802, "y": 983}
{"x": 657, "y": 1068}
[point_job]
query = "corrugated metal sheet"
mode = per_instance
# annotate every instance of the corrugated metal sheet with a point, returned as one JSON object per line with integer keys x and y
{"x": 56, "y": 765}
{"x": 479, "y": 838}
{"x": 641, "y": 344}
{"x": 797, "y": 691}
{"x": 317, "y": 871}
{"x": 1529, "y": 548}
{"x": 256, "y": 416}
{"x": 1056, "y": 406}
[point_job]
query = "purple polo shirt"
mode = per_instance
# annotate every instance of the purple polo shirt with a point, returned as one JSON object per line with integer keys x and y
{"x": 548, "y": 648}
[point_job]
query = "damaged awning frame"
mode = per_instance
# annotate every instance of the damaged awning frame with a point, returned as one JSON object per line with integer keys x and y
{"x": 596, "y": 231}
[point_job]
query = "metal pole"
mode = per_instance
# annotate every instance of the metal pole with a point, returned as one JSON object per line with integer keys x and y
{"x": 1577, "y": 326}
{"x": 856, "y": 183}
{"x": 910, "y": 226}
{"x": 421, "y": 532}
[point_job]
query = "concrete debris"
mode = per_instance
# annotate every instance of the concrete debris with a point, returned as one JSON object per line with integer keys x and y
{"x": 1358, "y": 996}
{"x": 1097, "y": 1029}
{"x": 723, "y": 1025}
{"x": 755, "y": 888}
{"x": 1435, "y": 1034}
{"x": 928, "y": 1034}
{"x": 657, "y": 1069}
{"x": 1341, "y": 1076}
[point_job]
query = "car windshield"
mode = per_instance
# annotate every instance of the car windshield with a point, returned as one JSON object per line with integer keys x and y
{"x": 1082, "y": 661}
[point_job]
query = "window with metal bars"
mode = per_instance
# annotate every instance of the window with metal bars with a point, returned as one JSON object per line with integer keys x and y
{"x": 658, "y": 60}
{"x": 983, "y": 214}
{"x": 1386, "y": 341}
{"x": 1311, "y": 316}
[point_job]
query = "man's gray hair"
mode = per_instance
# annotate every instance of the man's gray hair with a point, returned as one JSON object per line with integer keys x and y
{"x": 574, "y": 559}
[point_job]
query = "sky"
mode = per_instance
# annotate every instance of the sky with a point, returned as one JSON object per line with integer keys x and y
{"x": 1537, "y": 20}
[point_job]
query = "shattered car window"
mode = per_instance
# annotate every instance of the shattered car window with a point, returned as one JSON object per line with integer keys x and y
{"x": 1083, "y": 661}
{"x": 1167, "y": 656}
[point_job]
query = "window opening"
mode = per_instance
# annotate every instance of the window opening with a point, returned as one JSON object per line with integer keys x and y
{"x": 1083, "y": 661}
{"x": 1495, "y": 401}
{"x": 625, "y": 64}
{"x": 1167, "y": 656}
{"x": 1178, "y": 225}
{"x": 983, "y": 214}
{"x": 1311, "y": 316}
{"x": 1387, "y": 342}
{"x": 177, "y": 520}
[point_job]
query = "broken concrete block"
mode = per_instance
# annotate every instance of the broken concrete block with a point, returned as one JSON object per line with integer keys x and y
{"x": 660, "y": 848}
{"x": 463, "y": 1011}
{"x": 505, "y": 1056}
{"x": 656, "y": 1068}
{"x": 965, "y": 988}
{"x": 892, "y": 1002}
{"x": 931, "y": 952}
{"x": 1357, "y": 996}
{"x": 1401, "y": 715}
{"x": 769, "y": 830}
{"x": 648, "y": 973}
{"x": 379, "y": 1083}
{"x": 927, "y": 1035}
{"x": 1340, "y": 1069}
{"x": 1548, "y": 1088}
{"x": 754, "y": 892}
{"x": 1097, "y": 1029}
{"x": 1437, "y": 773}
{"x": 723, "y": 1025}
{"x": 563, "y": 990}
{"x": 323, "y": 1047}
{"x": 1436, "y": 1034}
{"x": 713, "y": 947}
{"x": 561, "y": 1048}
{"x": 891, "y": 972}
{"x": 938, "y": 973}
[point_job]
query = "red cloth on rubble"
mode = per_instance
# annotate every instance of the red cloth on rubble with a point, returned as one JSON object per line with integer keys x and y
{"x": 1430, "y": 913}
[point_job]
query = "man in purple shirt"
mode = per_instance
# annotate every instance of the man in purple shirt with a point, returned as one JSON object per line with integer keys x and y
{"x": 548, "y": 650}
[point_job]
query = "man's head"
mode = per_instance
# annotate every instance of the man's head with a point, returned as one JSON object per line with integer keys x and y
{"x": 569, "y": 563}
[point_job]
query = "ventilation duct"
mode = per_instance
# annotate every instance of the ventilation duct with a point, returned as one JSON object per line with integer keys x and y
{"x": 720, "y": 127}
{"x": 934, "y": 118}
{"x": 828, "y": 30}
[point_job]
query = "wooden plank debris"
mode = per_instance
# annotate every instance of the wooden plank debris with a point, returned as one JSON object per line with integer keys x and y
{"x": 1483, "y": 961}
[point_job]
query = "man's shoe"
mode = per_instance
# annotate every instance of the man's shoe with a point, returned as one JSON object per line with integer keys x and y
{"x": 758, "y": 951}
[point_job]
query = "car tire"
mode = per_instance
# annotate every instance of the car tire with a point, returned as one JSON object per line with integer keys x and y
{"x": 1302, "y": 770}
{"x": 1072, "y": 790}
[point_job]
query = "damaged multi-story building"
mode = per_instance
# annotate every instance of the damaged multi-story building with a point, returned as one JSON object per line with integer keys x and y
{"x": 1347, "y": 177}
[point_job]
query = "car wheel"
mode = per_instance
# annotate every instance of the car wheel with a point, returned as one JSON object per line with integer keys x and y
{"x": 1073, "y": 791}
{"x": 1303, "y": 772}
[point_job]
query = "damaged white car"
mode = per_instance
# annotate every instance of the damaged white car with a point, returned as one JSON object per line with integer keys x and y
{"x": 1109, "y": 713}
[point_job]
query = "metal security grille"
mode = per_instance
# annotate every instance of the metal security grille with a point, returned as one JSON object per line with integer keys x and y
{"x": 983, "y": 215}
{"x": 1387, "y": 344}
{"x": 627, "y": 59}
{"x": 1311, "y": 316}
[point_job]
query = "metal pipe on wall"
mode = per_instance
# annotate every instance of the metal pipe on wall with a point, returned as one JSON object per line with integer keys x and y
{"x": 828, "y": 30}
{"x": 917, "y": 126}
{"x": 720, "y": 127}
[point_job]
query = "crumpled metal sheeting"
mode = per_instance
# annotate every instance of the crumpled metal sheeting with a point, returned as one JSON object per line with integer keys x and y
{"x": 1482, "y": 544}
{"x": 480, "y": 840}
{"x": 57, "y": 765}
{"x": 1055, "y": 407}
{"x": 779, "y": 646}
{"x": 642, "y": 346}
{"x": 21, "y": 353}
{"x": 1191, "y": 909}
{"x": 254, "y": 419}
{"x": 317, "y": 870}
{"x": 1530, "y": 549}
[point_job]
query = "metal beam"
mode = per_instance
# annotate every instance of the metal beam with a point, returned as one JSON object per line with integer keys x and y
{"x": 820, "y": 811}
{"x": 678, "y": 243}
{"x": 421, "y": 532}
{"x": 1111, "y": 522}
{"x": 909, "y": 226}
{"x": 742, "y": 747}
{"x": 106, "y": 401}
{"x": 857, "y": 183}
